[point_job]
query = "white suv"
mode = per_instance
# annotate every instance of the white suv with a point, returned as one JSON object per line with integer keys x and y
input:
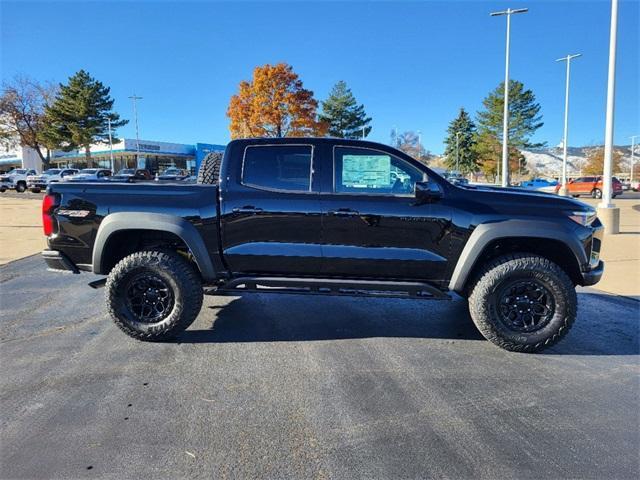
{"x": 35, "y": 183}
{"x": 16, "y": 179}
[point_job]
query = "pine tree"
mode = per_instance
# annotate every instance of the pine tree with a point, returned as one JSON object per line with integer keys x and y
{"x": 79, "y": 115}
{"x": 346, "y": 119}
{"x": 524, "y": 120}
{"x": 460, "y": 152}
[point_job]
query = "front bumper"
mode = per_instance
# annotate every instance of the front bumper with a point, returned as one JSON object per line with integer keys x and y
{"x": 594, "y": 275}
{"x": 42, "y": 185}
{"x": 58, "y": 261}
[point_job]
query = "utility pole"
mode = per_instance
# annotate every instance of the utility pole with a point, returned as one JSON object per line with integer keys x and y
{"x": 607, "y": 211}
{"x": 135, "y": 99}
{"x": 505, "y": 121}
{"x": 458, "y": 152}
{"x": 633, "y": 155}
{"x": 110, "y": 145}
{"x": 563, "y": 184}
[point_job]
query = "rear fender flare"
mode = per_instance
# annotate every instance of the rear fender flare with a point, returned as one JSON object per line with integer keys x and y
{"x": 119, "y": 221}
{"x": 486, "y": 233}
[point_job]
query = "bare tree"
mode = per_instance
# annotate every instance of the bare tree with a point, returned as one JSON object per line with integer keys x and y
{"x": 22, "y": 106}
{"x": 409, "y": 143}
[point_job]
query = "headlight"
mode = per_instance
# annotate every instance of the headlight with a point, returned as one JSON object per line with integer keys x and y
{"x": 583, "y": 217}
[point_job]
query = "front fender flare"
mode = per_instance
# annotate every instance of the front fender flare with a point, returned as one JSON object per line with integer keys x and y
{"x": 116, "y": 222}
{"x": 486, "y": 233}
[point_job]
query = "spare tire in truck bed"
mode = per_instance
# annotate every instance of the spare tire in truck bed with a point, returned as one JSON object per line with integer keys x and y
{"x": 209, "y": 172}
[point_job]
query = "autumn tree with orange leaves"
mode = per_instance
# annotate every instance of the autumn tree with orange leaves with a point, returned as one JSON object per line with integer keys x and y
{"x": 274, "y": 104}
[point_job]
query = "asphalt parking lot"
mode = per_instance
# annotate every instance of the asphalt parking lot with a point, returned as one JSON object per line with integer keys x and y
{"x": 276, "y": 386}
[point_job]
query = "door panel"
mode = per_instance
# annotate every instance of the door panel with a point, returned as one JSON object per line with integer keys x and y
{"x": 271, "y": 215}
{"x": 389, "y": 237}
{"x": 372, "y": 225}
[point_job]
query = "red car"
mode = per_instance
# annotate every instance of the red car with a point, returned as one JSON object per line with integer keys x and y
{"x": 591, "y": 186}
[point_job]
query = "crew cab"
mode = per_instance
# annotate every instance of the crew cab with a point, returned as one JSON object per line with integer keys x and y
{"x": 36, "y": 183}
{"x": 16, "y": 179}
{"x": 591, "y": 186}
{"x": 326, "y": 216}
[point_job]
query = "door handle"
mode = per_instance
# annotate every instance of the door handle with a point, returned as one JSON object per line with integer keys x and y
{"x": 247, "y": 209}
{"x": 344, "y": 212}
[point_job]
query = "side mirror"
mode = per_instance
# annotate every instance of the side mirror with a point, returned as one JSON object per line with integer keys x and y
{"x": 427, "y": 192}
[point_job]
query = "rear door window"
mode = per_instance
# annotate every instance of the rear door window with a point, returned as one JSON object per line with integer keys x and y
{"x": 286, "y": 168}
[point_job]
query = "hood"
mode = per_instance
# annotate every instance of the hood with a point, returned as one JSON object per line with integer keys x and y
{"x": 520, "y": 196}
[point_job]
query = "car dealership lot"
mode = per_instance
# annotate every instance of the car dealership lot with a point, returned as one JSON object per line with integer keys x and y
{"x": 308, "y": 387}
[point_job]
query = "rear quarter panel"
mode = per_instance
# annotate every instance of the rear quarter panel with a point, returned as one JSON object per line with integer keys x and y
{"x": 84, "y": 206}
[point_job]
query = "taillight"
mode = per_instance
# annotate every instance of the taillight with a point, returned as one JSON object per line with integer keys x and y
{"x": 49, "y": 202}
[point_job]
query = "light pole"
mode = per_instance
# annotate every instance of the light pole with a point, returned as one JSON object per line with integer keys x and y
{"x": 633, "y": 155}
{"x": 458, "y": 152}
{"x": 110, "y": 145}
{"x": 135, "y": 99}
{"x": 563, "y": 188}
{"x": 607, "y": 211}
{"x": 505, "y": 121}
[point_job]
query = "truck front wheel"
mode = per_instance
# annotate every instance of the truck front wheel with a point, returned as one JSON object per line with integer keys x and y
{"x": 153, "y": 295}
{"x": 523, "y": 302}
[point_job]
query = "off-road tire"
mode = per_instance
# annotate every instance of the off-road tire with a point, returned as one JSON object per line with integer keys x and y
{"x": 596, "y": 193}
{"x": 177, "y": 272}
{"x": 507, "y": 268}
{"x": 21, "y": 187}
{"x": 3, "y": 189}
{"x": 209, "y": 172}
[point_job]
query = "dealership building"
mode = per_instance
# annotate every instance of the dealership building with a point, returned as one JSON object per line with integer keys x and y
{"x": 127, "y": 153}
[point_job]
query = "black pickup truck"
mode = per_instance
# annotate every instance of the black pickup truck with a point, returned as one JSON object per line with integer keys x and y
{"x": 333, "y": 217}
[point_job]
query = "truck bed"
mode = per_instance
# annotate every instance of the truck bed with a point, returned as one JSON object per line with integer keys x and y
{"x": 83, "y": 206}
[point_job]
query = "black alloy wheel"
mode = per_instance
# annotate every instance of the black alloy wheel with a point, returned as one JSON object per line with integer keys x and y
{"x": 149, "y": 297}
{"x": 525, "y": 305}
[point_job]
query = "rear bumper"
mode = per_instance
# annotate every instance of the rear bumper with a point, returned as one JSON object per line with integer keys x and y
{"x": 594, "y": 275}
{"x": 58, "y": 261}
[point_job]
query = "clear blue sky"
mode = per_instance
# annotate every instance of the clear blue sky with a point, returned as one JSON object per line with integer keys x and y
{"x": 412, "y": 64}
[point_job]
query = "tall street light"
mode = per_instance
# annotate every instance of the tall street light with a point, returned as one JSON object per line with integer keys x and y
{"x": 135, "y": 99}
{"x": 607, "y": 211}
{"x": 633, "y": 155}
{"x": 568, "y": 58}
{"x": 505, "y": 121}
{"x": 458, "y": 152}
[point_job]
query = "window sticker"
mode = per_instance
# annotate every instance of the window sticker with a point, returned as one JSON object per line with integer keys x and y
{"x": 366, "y": 171}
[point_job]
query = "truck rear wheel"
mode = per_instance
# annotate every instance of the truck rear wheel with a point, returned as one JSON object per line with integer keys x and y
{"x": 523, "y": 302}
{"x": 153, "y": 295}
{"x": 209, "y": 172}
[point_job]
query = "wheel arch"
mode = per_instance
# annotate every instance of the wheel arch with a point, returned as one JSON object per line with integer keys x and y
{"x": 547, "y": 239}
{"x": 120, "y": 226}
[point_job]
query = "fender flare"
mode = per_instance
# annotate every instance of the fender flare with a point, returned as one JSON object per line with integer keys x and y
{"x": 486, "y": 233}
{"x": 117, "y": 222}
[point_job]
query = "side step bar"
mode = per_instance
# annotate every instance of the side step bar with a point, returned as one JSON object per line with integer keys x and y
{"x": 317, "y": 286}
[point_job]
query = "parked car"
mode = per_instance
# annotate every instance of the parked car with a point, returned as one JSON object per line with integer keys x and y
{"x": 131, "y": 174}
{"x": 541, "y": 184}
{"x": 635, "y": 185}
{"x": 90, "y": 175}
{"x": 16, "y": 179}
{"x": 321, "y": 216}
{"x": 173, "y": 173}
{"x": 591, "y": 186}
{"x": 36, "y": 183}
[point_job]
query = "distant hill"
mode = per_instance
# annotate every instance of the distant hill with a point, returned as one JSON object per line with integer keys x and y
{"x": 548, "y": 161}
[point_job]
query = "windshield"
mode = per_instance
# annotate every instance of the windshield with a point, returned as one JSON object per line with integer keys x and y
{"x": 17, "y": 171}
{"x": 51, "y": 171}
{"x": 89, "y": 171}
{"x": 126, "y": 171}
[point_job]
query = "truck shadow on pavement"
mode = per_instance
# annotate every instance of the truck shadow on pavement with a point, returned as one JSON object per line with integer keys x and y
{"x": 606, "y": 325}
